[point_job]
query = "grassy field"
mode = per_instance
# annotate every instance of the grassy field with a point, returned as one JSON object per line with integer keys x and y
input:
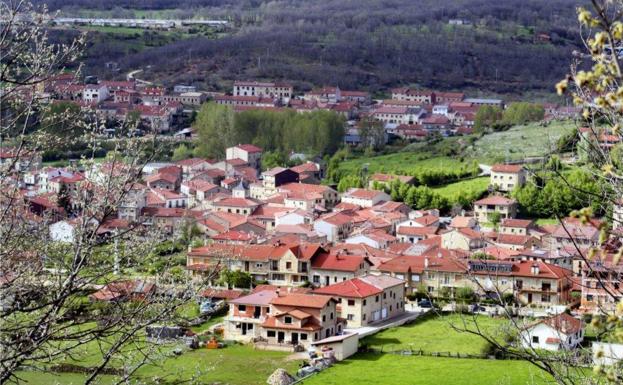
{"x": 403, "y": 163}
{"x": 547, "y": 221}
{"x": 473, "y": 187}
{"x": 437, "y": 335}
{"x": 381, "y": 369}
{"x": 233, "y": 365}
{"x": 520, "y": 141}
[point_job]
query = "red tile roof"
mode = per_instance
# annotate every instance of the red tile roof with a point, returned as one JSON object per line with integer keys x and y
{"x": 521, "y": 223}
{"x": 512, "y": 239}
{"x": 564, "y": 323}
{"x": 352, "y": 288}
{"x": 360, "y": 193}
{"x": 302, "y": 300}
{"x": 249, "y": 148}
{"x": 507, "y": 168}
{"x": 496, "y": 200}
{"x": 330, "y": 261}
{"x": 236, "y": 202}
{"x": 417, "y": 231}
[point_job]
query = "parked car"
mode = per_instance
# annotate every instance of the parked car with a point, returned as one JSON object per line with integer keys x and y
{"x": 476, "y": 308}
{"x": 425, "y": 303}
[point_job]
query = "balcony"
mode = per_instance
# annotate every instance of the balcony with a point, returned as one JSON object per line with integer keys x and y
{"x": 259, "y": 319}
{"x": 537, "y": 289}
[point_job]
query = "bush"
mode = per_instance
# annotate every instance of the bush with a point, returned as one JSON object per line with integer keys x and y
{"x": 465, "y": 295}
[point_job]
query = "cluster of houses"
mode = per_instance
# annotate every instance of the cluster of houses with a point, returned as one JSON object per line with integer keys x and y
{"x": 159, "y": 109}
{"x": 324, "y": 262}
{"x": 411, "y": 114}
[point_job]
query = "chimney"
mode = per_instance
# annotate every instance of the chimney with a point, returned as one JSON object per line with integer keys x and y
{"x": 533, "y": 247}
{"x": 439, "y": 254}
{"x": 535, "y": 269}
{"x": 426, "y": 262}
{"x": 278, "y": 292}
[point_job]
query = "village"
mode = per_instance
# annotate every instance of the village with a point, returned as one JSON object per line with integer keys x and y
{"x": 324, "y": 269}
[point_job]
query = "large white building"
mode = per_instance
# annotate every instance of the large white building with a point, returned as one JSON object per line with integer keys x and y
{"x": 268, "y": 89}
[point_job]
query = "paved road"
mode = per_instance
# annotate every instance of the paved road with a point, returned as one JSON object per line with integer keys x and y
{"x": 131, "y": 75}
{"x": 484, "y": 169}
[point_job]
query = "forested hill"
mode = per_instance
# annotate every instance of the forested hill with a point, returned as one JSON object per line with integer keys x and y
{"x": 508, "y": 46}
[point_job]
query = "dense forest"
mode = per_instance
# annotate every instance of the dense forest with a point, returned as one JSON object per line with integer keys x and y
{"x": 507, "y": 46}
{"x": 219, "y": 127}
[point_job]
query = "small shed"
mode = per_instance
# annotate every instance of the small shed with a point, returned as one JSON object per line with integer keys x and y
{"x": 344, "y": 345}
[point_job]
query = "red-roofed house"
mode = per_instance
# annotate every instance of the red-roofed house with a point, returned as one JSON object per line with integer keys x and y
{"x": 249, "y": 153}
{"x": 337, "y": 266}
{"x": 377, "y": 239}
{"x": 365, "y": 198}
{"x": 506, "y": 207}
{"x": 516, "y": 226}
{"x": 163, "y": 180}
{"x": 463, "y": 239}
{"x": 336, "y": 226}
{"x": 560, "y": 332}
{"x": 242, "y": 206}
{"x": 277, "y": 263}
{"x": 300, "y": 319}
{"x": 367, "y": 299}
{"x": 505, "y": 177}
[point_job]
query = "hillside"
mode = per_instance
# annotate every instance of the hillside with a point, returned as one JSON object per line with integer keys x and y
{"x": 506, "y": 47}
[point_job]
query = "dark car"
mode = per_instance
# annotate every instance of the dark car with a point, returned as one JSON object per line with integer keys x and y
{"x": 425, "y": 303}
{"x": 476, "y": 308}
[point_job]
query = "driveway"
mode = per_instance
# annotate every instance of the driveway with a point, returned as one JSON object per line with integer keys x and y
{"x": 386, "y": 324}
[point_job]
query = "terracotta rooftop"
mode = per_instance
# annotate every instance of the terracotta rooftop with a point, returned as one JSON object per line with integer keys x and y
{"x": 496, "y": 200}
{"x": 302, "y": 300}
{"x": 507, "y": 168}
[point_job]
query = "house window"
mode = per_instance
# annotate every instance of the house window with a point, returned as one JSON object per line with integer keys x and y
{"x": 316, "y": 279}
{"x": 303, "y": 336}
{"x": 364, "y": 317}
{"x": 364, "y": 302}
{"x": 315, "y": 336}
{"x": 288, "y": 265}
{"x": 351, "y": 302}
{"x": 242, "y": 307}
{"x": 545, "y": 298}
{"x": 350, "y": 317}
{"x": 287, "y": 319}
{"x": 324, "y": 318}
{"x": 270, "y": 333}
{"x": 331, "y": 315}
{"x": 535, "y": 339}
{"x": 258, "y": 265}
{"x": 376, "y": 299}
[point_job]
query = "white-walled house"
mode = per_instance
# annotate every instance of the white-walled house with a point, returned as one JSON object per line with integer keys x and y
{"x": 294, "y": 217}
{"x": 95, "y": 93}
{"x": 377, "y": 239}
{"x": 559, "y": 332}
{"x": 336, "y": 226}
{"x": 365, "y": 198}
